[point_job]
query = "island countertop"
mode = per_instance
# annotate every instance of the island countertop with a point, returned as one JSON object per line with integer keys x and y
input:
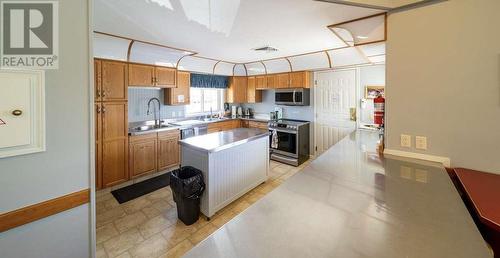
{"x": 218, "y": 141}
{"x": 350, "y": 202}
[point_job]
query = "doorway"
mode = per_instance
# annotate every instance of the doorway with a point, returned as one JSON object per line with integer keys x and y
{"x": 335, "y": 107}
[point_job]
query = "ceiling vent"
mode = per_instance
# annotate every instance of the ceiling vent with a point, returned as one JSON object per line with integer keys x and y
{"x": 266, "y": 49}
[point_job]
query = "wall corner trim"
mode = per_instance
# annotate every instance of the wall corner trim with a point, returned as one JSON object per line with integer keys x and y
{"x": 413, "y": 155}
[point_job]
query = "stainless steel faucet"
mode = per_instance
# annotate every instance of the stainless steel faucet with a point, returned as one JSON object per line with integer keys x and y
{"x": 157, "y": 121}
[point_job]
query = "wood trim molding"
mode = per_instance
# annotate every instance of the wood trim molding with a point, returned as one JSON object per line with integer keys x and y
{"x": 129, "y": 49}
{"x": 329, "y": 59}
{"x": 215, "y": 65}
{"x": 42, "y": 210}
{"x": 289, "y": 63}
{"x": 413, "y": 155}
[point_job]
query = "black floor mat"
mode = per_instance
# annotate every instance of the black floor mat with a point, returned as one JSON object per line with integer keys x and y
{"x": 131, "y": 192}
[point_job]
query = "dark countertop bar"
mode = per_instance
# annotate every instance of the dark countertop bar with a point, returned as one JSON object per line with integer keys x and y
{"x": 218, "y": 141}
{"x": 349, "y": 202}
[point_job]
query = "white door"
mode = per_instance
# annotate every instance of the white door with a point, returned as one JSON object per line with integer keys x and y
{"x": 335, "y": 107}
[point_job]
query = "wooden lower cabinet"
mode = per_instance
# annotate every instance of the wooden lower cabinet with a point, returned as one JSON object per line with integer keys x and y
{"x": 257, "y": 124}
{"x": 168, "y": 149}
{"x": 153, "y": 152}
{"x": 114, "y": 162}
{"x": 142, "y": 154}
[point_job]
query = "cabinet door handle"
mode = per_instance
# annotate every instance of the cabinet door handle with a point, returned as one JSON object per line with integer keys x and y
{"x": 98, "y": 93}
{"x": 103, "y": 109}
{"x": 98, "y": 109}
{"x": 152, "y": 79}
{"x": 17, "y": 112}
{"x": 103, "y": 94}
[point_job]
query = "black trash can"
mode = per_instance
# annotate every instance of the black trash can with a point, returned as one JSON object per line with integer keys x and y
{"x": 187, "y": 187}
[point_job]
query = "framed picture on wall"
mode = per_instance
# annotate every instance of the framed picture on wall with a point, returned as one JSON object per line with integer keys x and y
{"x": 371, "y": 91}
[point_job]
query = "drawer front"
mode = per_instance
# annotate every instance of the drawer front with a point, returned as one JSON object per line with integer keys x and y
{"x": 142, "y": 137}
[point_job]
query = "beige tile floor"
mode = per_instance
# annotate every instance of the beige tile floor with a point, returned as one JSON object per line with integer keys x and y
{"x": 148, "y": 226}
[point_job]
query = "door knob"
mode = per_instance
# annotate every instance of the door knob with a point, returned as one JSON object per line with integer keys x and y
{"x": 17, "y": 112}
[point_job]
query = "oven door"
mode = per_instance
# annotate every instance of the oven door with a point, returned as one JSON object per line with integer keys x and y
{"x": 287, "y": 143}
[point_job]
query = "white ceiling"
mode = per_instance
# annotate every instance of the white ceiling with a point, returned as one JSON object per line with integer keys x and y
{"x": 228, "y": 29}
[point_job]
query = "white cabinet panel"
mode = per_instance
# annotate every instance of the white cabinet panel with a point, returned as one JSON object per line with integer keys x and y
{"x": 22, "y": 114}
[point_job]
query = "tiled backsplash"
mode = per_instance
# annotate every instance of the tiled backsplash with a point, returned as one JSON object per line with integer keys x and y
{"x": 138, "y": 105}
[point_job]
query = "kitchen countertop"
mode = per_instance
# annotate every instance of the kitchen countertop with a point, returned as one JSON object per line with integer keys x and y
{"x": 349, "y": 202}
{"x": 173, "y": 126}
{"x": 218, "y": 141}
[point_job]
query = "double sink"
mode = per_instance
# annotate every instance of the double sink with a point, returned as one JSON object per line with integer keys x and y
{"x": 172, "y": 125}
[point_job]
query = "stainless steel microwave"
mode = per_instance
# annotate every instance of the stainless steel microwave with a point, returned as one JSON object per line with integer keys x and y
{"x": 292, "y": 97}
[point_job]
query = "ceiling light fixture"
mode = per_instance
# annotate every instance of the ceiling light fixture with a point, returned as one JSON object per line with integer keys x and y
{"x": 266, "y": 49}
{"x": 361, "y": 37}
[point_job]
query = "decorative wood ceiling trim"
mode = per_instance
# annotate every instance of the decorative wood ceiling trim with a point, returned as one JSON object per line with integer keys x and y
{"x": 246, "y": 71}
{"x": 289, "y": 63}
{"x": 359, "y": 19}
{"x": 129, "y": 49}
{"x": 265, "y": 67}
{"x": 343, "y": 2}
{"x": 42, "y": 210}
{"x": 329, "y": 59}
{"x": 143, "y": 41}
{"x": 179, "y": 61}
{"x": 213, "y": 71}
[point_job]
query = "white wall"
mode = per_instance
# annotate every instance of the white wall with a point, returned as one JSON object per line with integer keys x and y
{"x": 443, "y": 70}
{"x": 64, "y": 167}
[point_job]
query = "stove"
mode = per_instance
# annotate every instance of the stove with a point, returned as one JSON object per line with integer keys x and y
{"x": 291, "y": 144}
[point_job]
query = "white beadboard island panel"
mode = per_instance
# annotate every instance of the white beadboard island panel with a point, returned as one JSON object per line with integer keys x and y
{"x": 229, "y": 173}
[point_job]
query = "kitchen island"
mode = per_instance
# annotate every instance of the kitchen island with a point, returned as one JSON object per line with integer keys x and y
{"x": 350, "y": 202}
{"x": 233, "y": 162}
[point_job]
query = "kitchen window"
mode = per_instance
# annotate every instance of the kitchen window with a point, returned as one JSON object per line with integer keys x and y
{"x": 204, "y": 99}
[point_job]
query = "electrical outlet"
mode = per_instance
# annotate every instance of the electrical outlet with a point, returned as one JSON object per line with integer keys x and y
{"x": 421, "y": 142}
{"x": 406, "y": 140}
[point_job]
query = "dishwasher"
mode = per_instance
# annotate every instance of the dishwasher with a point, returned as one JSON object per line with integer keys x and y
{"x": 193, "y": 131}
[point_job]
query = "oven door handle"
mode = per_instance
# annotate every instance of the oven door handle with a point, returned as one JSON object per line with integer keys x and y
{"x": 293, "y": 96}
{"x": 283, "y": 130}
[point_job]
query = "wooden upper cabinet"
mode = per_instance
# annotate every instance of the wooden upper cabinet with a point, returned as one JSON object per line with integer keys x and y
{"x": 180, "y": 94}
{"x": 151, "y": 76}
{"x": 142, "y": 154}
{"x": 97, "y": 79}
{"x": 141, "y": 75}
{"x": 300, "y": 79}
{"x": 253, "y": 95}
{"x": 168, "y": 149}
{"x": 237, "y": 91}
{"x": 260, "y": 82}
{"x": 114, "y": 81}
{"x": 271, "y": 81}
{"x": 282, "y": 80}
{"x": 165, "y": 77}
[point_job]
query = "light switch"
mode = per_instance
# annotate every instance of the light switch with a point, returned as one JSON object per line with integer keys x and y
{"x": 406, "y": 140}
{"x": 421, "y": 142}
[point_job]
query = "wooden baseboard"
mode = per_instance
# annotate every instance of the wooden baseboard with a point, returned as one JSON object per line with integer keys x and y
{"x": 41, "y": 210}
